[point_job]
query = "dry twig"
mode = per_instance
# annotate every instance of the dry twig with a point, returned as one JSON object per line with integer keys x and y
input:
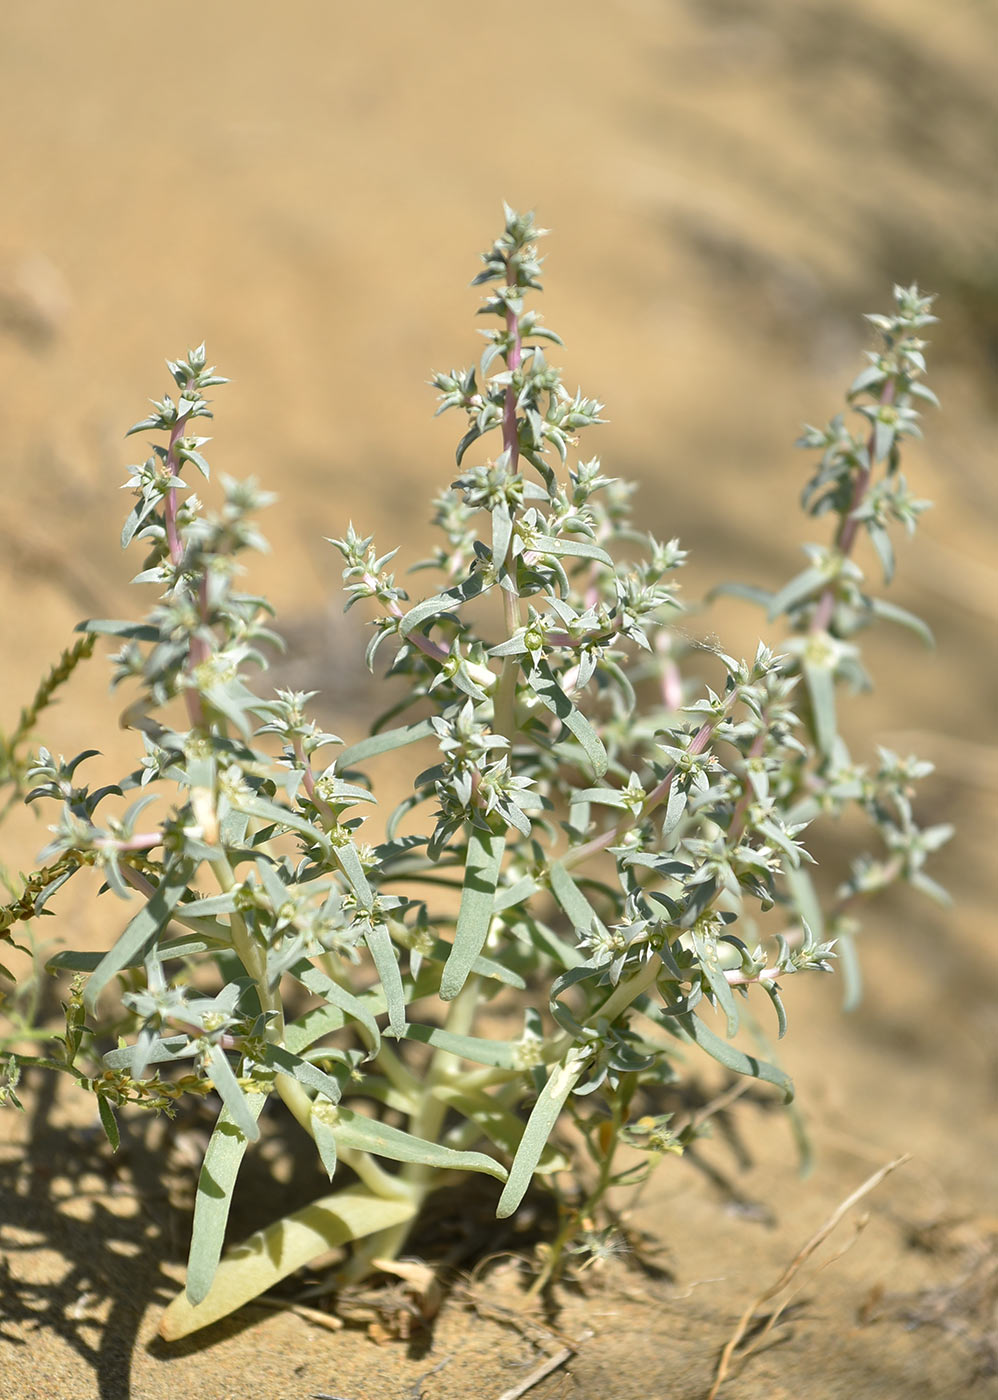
{"x": 549, "y": 1364}
{"x": 330, "y": 1321}
{"x": 817, "y": 1239}
{"x": 546, "y": 1367}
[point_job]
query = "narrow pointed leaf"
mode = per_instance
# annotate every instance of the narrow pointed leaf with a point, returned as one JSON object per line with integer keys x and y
{"x": 70, "y": 960}
{"x": 803, "y": 586}
{"x": 253, "y": 806}
{"x": 721, "y": 989}
{"x": 675, "y": 806}
{"x": 578, "y": 549}
{"x": 773, "y": 992}
{"x": 501, "y": 1127}
{"x": 805, "y": 899}
{"x": 349, "y": 862}
{"x": 382, "y": 950}
{"x": 110, "y": 627}
{"x": 108, "y": 1122}
{"x": 325, "y": 1142}
{"x": 851, "y": 969}
{"x": 500, "y": 1053}
{"x": 227, "y": 1086}
{"x": 732, "y": 1058}
{"x": 368, "y": 1135}
{"x": 821, "y": 688}
{"x": 502, "y": 533}
{"x": 580, "y": 912}
{"x": 441, "y": 604}
{"x": 139, "y": 933}
{"x": 214, "y": 1196}
{"x": 383, "y": 743}
{"x": 485, "y": 852}
{"x": 550, "y": 693}
{"x": 322, "y": 985}
{"x": 162, "y": 1051}
{"x": 543, "y": 1116}
{"x": 286, "y": 1062}
{"x": 890, "y": 612}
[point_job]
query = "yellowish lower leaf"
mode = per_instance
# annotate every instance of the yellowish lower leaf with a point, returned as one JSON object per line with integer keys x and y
{"x": 273, "y": 1253}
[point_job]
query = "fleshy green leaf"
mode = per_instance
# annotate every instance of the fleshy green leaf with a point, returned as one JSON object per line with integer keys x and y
{"x": 732, "y": 1058}
{"x": 580, "y": 912}
{"x": 108, "y": 1122}
{"x": 890, "y": 612}
{"x": 382, "y": 950}
{"x": 227, "y": 1086}
{"x": 262, "y": 807}
{"x": 773, "y": 992}
{"x": 578, "y": 549}
{"x": 322, "y": 985}
{"x": 304, "y": 1071}
{"x": 442, "y": 604}
{"x": 803, "y": 586}
{"x": 719, "y": 986}
{"x": 550, "y": 694}
{"x": 325, "y": 1142}
{"x": 140, "y": 932}
{"x": 852, "y": 973}
{"x": 821, "y": 688}
{"x": 501, "y": 1127}
{"x": 162, "y": 1051}
{"x": 133, "y": 631}
{"x": 383, "y": 743}
{"x": 70, "y": 960}
{"x": 271, "y": 1254}
{"x": 368, "y": 1135}
{"x": 500, "y": 1053}
{"x": 485, "y": 852}
{"x": 349, "y": 862}
{"x": 543, "y": 1116}
{"x": 214, "y": 1196}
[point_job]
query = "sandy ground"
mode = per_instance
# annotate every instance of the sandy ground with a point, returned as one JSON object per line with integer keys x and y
{"x": 730, "y": 186}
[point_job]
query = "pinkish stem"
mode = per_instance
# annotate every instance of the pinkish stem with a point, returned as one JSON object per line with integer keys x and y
{"x": 736, "y": 978}
{"x": 143, "y": 841}
{"x": 849, "y": 523}
{"x": 654, "y": 799}
{"x": 198, "y": 649}
{"x": 513, "y": 359}
{"x": 308, "y": 782}
{"x": 429, "y": 648}
{"x": 173, "y": 467}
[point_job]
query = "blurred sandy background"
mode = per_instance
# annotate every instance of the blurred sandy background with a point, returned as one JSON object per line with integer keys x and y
{"x": 729, "y": 185}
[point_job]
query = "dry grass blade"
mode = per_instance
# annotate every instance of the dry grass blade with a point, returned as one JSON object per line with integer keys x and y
{"x": 801, "y": 1257}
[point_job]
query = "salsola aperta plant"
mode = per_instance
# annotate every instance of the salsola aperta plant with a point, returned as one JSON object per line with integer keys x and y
{"x": 605, "y": 826}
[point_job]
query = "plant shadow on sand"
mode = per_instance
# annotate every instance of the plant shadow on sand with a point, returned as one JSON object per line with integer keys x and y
{"x": 92, "y": 1241}
{"x": 117, "y": 1227}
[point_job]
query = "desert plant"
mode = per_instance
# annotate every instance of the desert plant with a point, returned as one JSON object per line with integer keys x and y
{"x": 585, "y": 825}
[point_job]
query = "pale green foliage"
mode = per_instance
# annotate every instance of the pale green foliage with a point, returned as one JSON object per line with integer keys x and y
{"x": 598, "y": 824}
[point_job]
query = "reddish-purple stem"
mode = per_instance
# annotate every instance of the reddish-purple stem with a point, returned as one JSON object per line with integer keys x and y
{"x": 142, "y": 841}
{"x": 849, "y": 524}
{"x": 173, "y": 467}
{"x": 655, "y": 798}
{"x": 736, "y": 978}
{"x": 308, "y": 781}
{"x": 199, "y": 649}
{"x": 429, "y": 648}
{"x": 513, "y": 359}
